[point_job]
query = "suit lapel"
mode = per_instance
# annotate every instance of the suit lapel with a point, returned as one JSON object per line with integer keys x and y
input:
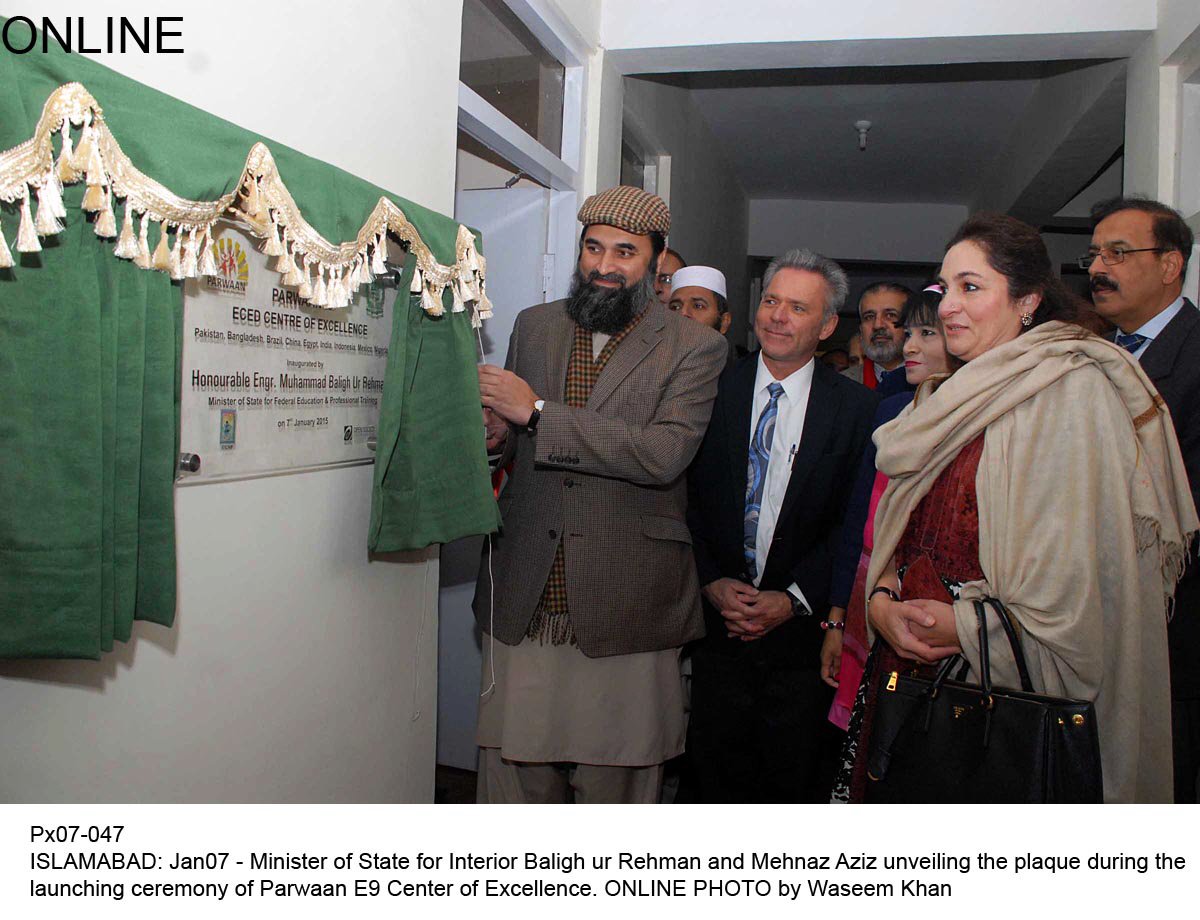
{"x": 560, "y": 340}
{"x": 1158, "y": 360}
{"x": 628, "y": 355}
{"x": 819, "y": 420}
{"x": 738, "y": 415}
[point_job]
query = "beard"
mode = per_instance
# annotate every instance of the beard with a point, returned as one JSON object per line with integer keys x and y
{"x": 607, "y": 310}
{"x": 882, "y": 349}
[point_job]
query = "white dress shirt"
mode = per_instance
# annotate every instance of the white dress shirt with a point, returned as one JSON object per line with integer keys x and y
{"x": 1157, "y": 324}
{"x": 789, "y": 426}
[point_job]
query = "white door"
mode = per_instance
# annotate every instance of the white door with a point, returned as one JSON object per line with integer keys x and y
{"x": 513, "y": 223}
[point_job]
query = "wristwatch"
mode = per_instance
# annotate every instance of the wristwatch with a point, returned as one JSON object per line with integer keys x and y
{"x": 536, "y": 415}
{"x": 798, "y": 608}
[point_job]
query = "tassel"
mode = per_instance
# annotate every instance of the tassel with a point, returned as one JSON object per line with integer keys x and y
{"x": 187, "y": 265}
{"x": 430, "y": 303}
{"x": 472, "y": 259}
{"x": 106, "y": 223}
{"x": 66, "y": 172}
{"x": 462, "y": 290}
{"x": 305, "y": 289}
{"x": 282, "y": 259}
{"x": 382, "y": 245}
{"x": 485, "y": 305}
{"x": 126, "y": 247}
{"x": 293, "y": 276}
{"x": 175, "y": 262}
{"x": 6, "y": 259}
{"x": 93, "y": 198}
{"x": 253, "y": 203}
{"x": 208, "y": 264}
{"x": 335, "y": 289}
{"x": 320, "y": 295}
{"x": 161, "y": 260}
{"x": 417, "y": 284}
{"x": 457, "y": 305}
{"x": 142, "y": 259}
{"x": 336, "y": 292}
{"x": 83, "y": 153}
{"x": 95, "y": 170}
{"x": 50, "y": 195}
{"x": 46, "y": 224}
{"x": 272, "y": 246}
{"x": 27, "y": 238}
{"x": 377, "y": 261}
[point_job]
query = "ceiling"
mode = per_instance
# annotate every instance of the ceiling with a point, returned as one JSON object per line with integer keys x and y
{"x": 935, "y": 129}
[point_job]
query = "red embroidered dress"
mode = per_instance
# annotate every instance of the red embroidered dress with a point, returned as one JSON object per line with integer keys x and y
{"x": 942, "y": 537}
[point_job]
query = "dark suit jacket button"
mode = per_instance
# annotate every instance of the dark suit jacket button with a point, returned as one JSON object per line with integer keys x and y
{"x": 568, "y": 483}
{"x": 554, "y": 535}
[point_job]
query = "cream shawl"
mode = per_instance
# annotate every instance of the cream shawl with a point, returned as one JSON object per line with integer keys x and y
{"x": 1085, "y": 519}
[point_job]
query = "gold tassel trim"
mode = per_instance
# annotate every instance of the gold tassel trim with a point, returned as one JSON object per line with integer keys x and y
{"x": 6, "y": 258}
{"x": 126, "y": 247}
{"x": 142, "y": 259}
{"x": 83, "y": 152}
{"x": 46, "y": 224}
{"x": 89, "y": 152}
{"x": 161, "y": 260}
{"x": 305, "y": 289}
{"x": 66, "y": 172}
{"x": 175, "y": 262}
{"x": 106, "y": 223}
{"x": 272, "y": 246}
{"x": 187, "y": 264}
{"x": 208, "y": 262}
{"x": 27, "y": 238}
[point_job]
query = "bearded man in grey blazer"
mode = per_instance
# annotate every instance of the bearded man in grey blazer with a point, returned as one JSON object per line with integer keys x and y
{"x": 589, "y": 591}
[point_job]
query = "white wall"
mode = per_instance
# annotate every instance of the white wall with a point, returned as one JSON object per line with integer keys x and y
{"x": 854, "y": 229}
{"x": 670, "y": 23}
{"x": 296, "y": 667}
{"x": 1152, "y": 102}
{"x": 709, "y": 208}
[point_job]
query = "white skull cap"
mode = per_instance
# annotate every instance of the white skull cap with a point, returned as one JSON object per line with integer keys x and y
{"x": 699, "y": 276}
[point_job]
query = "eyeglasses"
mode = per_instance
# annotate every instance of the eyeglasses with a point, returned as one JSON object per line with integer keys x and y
{"x": 664, "y": 279}
{"x": 1111, "y": 256}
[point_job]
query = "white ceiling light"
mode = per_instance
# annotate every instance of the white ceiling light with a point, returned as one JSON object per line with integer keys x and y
{"x": 862, "y": 127}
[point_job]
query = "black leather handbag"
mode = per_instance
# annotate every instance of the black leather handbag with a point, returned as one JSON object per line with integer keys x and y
{"x": 943, "y": 740}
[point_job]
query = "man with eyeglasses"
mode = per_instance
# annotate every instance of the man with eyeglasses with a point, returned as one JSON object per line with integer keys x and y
{"x": 668, "y": 264}
{"x": 1136, "y": 266}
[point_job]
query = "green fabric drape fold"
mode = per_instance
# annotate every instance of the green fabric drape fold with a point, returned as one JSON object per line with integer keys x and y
{"x": 89, "y": 372}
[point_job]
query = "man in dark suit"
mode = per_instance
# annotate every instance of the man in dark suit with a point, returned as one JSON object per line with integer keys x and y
{"x": 588, "y": 594}
{"x": 1137, "y": 262}
{"x": 766, "y": 497}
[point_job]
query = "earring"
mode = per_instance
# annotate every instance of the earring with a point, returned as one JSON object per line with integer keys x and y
{"x": 1026, "y": 319}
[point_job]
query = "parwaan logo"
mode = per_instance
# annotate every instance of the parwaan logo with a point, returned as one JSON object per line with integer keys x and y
{"x": 233, "y": 272}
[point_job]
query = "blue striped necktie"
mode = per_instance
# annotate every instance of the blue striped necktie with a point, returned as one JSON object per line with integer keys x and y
{"x": 1131, "y": 342}
{"x": 756, "y": 475}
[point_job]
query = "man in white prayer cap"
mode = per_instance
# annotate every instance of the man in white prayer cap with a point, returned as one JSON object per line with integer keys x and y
{"x": 698, "y": 292}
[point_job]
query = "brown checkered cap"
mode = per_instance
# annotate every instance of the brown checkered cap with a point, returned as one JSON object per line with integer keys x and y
{"x": 631, "y": 209}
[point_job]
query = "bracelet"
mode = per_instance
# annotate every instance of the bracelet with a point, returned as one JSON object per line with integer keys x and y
{"x": 833, "y": 624}
{"x": 883, "y": 589}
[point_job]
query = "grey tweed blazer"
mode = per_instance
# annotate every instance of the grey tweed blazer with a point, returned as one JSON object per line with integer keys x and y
{"x": 608, "y": 480}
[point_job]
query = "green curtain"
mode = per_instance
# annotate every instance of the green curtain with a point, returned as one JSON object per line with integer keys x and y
{"x": 89, "y": 373}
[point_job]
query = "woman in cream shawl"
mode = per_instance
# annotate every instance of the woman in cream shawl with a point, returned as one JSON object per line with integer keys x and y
{"x": 1084, "y": 511}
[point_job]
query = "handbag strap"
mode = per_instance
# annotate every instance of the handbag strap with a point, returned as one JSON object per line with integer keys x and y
{"x": 985, "y": 664}
{"x": 1013, "y": 641}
